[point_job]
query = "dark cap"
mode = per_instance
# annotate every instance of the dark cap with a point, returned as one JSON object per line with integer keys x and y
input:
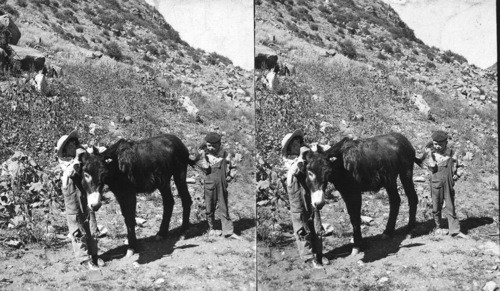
{"x": 212, "y": 137}
{"x": 439, "y": 136}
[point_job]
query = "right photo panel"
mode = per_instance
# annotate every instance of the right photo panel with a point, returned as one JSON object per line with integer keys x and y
{"x": 376, "y": 145}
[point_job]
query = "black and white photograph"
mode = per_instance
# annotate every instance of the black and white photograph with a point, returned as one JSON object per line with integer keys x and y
{"x": 377, "y": 145}
{"x": 126, "y": 145}
{"x": 249, "y": 145}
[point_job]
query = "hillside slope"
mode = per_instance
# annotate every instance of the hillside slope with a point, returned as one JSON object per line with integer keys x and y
{"x": 359, "y": 72}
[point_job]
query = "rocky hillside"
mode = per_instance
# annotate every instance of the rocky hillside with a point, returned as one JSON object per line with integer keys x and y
{"x": 357, "y": 70}
{"x": 365, "y": 43}
{"x": 117, "y": 70}
{"x": 371, "y": 33}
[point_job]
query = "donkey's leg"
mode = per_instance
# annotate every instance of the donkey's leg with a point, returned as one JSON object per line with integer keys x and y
{"x": 182, "y": 188}
{"x": 353, "y": 203}
{"x": 168, "y": 207}
{"x": 394, "y": 203}
{"x": 409, "y": 188}
{"x": 128, "y": 202}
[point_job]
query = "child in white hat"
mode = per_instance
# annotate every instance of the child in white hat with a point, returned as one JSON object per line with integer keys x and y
{"x": 81, "y": 221}
{"x": 305, "y": 221}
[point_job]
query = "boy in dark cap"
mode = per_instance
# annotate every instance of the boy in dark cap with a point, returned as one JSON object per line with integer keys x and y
{"x": 442, "y": 163}
{"x": 219, "y": 170}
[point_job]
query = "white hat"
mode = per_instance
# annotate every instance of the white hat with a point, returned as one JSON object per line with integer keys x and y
{"x": 288, "y": 138}
{"x": 61, "y": 143}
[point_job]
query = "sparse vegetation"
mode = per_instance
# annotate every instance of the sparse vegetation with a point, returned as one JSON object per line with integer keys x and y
{"x": 114, "y": 51}
{"x": 348, "y": 49}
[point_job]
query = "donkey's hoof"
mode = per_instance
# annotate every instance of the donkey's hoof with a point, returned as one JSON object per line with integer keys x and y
{"x": 130, "y": 252}
{"x": 355, "y": 251}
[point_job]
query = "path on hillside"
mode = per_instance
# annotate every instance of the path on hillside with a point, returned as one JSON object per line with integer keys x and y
{"x": 422, "y": 262}
{"x": 192, "y": 262}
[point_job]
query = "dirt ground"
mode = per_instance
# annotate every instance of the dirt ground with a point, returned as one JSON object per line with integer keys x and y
{"x": 194, "y": 261}
{"x": 424, "y": 261}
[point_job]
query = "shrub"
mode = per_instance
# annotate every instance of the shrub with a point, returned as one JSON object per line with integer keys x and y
{"x": 66, "y": 16}
{"x": 313, "y": 26}
{"x": 332, "y": 19}
{"x": 89, "y": 11}
{"x": 152, "y": 49}
{"x": 39, "y": 3}
{"x": 6, "y": 8}
{"x": 292, "y": 26}
{"x": 214, "y": 59}
{"x": 79, "y": 28}
{"x": 382, "y": 56}
{"x": 67, "y": 3}
{"x": 430, "y": 65}
{"x": 22, "y": 3}
{"x": 323, "y": 9}
{"x": 113, "y": 50}
{"x": 450, "y": 56}
{"x": 347, "y": 48}
{"x": 387, "y": 48}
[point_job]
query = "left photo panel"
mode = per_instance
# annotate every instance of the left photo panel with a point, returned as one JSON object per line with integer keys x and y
{"x": 126, "y": 145}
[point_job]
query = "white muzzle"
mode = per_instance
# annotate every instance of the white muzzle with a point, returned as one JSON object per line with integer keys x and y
{"x": 94, "y": 200}
{"x": 317, "y": 199}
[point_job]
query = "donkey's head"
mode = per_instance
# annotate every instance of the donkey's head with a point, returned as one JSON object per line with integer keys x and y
{"x": 318, "y": 169}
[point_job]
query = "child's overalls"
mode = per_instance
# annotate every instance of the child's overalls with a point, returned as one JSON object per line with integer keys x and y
{"x": 442, "y": 190}
{"x": 216, "y": 191}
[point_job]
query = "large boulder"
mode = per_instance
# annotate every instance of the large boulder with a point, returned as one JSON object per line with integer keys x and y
{"x": 9, "y": 25}
{"x": 28, "y": 58}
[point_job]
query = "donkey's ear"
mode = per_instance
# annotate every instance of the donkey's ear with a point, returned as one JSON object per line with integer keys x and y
{"x": 303, "y": 153}
{"x": 81, "y": 154}
{"x": 95, "y": 150}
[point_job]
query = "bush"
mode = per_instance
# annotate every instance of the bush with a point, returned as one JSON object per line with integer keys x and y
{"x": 323, "y": 9}
{"x": 292, "y": 26}
{"x": 6, "y": 8}
{"x": 387, "y": 48}
{"x": 66, "y": 16}
{"x": 22, "y": 3}
{"x": 214, "y": 59}
{"x": 79, "y": 28}
{"x": 152, "y": 49}
{"x": 348, "y": 49}
{"x": 113, "y": 50}
{"x": 450, "y": 56}
{"x": 89, "y": 11}
{"x": 382, "y": 56}
{"x": 313, "y": 26}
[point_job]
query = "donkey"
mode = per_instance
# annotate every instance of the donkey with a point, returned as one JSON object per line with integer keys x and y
{"x": 356, "y": 166}
{"x": 131, "y": 167}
